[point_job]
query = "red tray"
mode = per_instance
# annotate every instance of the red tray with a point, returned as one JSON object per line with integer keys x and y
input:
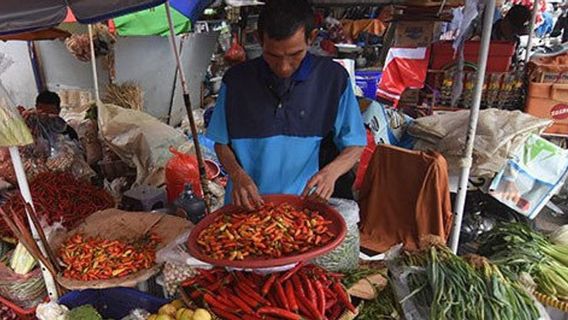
{"x": 337, "y": 226}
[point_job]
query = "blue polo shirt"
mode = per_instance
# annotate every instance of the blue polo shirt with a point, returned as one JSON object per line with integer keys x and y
{"x": 275, "y": 127}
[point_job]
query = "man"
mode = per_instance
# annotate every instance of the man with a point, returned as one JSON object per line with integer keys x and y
{"x": 273, "y": 112}
{"x": 48, "y": 102}
{"x": 513, "y": 25}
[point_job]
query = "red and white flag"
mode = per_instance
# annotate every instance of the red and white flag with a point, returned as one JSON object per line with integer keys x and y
{"x": 404, "y": 68}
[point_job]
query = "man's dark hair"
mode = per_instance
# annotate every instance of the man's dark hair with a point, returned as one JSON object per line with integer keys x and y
{"x": 48, "y": 97}
{"x": 280, "y": 19}
{"x": 519, "y": 15}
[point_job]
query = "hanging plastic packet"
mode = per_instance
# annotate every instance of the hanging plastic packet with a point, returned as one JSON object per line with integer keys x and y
{"x": 531, "y": 177}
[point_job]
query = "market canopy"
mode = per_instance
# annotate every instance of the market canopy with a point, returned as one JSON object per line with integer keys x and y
{"x": 18, "y": 16}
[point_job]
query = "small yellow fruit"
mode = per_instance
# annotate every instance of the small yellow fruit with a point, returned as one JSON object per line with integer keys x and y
{"x": 165, "y": 317}
{"x": 201, "y": 314}
{"x": 153, "y": 317}
{"x": 178, "y": 304}
{"x": 184, "y": 314}
{"x": 168, "y": 309}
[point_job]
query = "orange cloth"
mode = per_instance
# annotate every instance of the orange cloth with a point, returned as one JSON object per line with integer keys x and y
{"x": 354, "y": 27}
{"x": 405, "y": 195}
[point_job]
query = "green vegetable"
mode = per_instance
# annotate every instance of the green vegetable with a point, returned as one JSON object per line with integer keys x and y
{"x": 352, "y": 277}
{"x": 22, "y": 261}
{"x": 517, "y": 249}
{"x": 86, "y": 312}
{"x": 384, "y": 306}
{"x": 449, "y": 288}
{"x": 13, "y": 130}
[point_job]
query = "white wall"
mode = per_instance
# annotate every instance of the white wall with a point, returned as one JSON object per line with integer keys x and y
{"x": 18, "y": 80}
{"x": 145, "y": 60}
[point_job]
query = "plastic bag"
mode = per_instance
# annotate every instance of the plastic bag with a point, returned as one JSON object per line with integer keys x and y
{"x": 181, "y": 169}
{"x": 236, "y": 53}
{"x": 346, "y": 256}
{"x": 535, "y": 173}
{"x": 24, "y": 290}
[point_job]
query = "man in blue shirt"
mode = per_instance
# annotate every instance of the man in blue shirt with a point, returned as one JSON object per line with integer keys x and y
{"x": 273, "y": 112}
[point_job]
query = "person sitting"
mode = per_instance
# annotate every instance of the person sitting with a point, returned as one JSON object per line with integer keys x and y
{"x": 48, "y": 102}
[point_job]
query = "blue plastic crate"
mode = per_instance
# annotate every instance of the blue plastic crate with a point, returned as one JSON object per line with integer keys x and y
{"x": 114, "y": 303}
{"x": 367, "y": 80}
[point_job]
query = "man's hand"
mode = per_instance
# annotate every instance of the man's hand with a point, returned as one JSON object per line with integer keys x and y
{"x": 324, "y": 181}
{"x": 245, "y": 193}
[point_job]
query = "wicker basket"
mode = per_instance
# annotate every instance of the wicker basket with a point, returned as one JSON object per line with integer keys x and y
{"x": 25, "y": 291}
{"x": 550, "y": 301}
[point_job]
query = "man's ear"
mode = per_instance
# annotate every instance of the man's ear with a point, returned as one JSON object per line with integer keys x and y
{"x": 312, "y": 36}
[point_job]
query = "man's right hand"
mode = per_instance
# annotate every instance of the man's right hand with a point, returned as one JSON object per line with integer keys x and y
{"x": 245, "y": 193}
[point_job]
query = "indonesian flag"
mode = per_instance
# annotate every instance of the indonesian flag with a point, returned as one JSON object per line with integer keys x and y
{"x": 404, "y": 68}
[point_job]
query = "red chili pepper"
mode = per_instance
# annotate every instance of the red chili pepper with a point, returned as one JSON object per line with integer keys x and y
{"x": 329, "y": 303}
{"x": 289, "y": 289}
{"x": 246, "y": 298}
{"x": 335, "y": 312}
{"x": 281, "y": 295}
{"x": 291, "y": 272}
{"x": 298, "y": 285}
{"x": 310, "y": 308}
{"x": 320, "y": 296}
{"x": 240, "y": 304}
{"x": 279, "y": 313}
{"x": 268, "y": 284}
{"x": 251, "y": 317}
{"x": 216, "y": 303}
{"x": 310, "y": 291}
{"x": 253, "y": 294}
{"x": 227, "y": 315}
{"x": 342, "y": 295}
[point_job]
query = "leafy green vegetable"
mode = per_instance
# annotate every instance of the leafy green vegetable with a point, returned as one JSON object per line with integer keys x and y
{"x": 517, "y": 249}
{"x": 86, "y": 312}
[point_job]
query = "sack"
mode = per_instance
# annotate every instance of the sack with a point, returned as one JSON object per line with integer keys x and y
{"x": 181, "y": 169}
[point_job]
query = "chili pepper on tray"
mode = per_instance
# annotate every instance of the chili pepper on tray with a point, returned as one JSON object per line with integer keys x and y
{"x": 272, "y": 231}
{"x": 241, "y": 295}
{"x": 89, "y": 259}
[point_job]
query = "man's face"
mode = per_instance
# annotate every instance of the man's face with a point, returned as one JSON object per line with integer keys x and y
{"x": 47, "y": 108}
{"x": 285, "y": 56}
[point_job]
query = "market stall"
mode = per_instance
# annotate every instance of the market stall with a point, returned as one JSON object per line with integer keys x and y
{"x": 294, "y": 257}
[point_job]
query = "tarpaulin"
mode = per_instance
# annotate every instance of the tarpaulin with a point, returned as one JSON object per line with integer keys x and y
{"x": 151, "y": 22}
{"x": 18, "y": 16}
{"x": 192, "y": 9}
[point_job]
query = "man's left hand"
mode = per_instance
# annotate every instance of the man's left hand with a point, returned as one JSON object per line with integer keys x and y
{"x": 324, "y": 181}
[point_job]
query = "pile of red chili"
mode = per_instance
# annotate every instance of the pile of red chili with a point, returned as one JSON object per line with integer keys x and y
{"x": 304, "y": 292}
{"x": 60, "y": 197}
{"x": 272, "y": 231}
{"x": 99, "y": 259}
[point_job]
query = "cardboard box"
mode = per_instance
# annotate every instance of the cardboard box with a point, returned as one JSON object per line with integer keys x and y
{"x": 547, "y": 100}
{"x": 414, "y": 34}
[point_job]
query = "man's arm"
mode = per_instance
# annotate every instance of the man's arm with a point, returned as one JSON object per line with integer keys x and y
{"x": 325, "y": 179}
{"x": 245, "y": 193}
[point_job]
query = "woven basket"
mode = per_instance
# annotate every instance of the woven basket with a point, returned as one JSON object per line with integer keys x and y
{"x": 550, "y": 301}
{"x": 25, "y": 291}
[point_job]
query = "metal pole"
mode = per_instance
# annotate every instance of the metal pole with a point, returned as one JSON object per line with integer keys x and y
{"x": 27, "y": 196}
{"x": 531, "y": 31}
{"x": 94, "y": 63}
{"x": 187, "y": 103}
{"x": 472, "y": 128}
